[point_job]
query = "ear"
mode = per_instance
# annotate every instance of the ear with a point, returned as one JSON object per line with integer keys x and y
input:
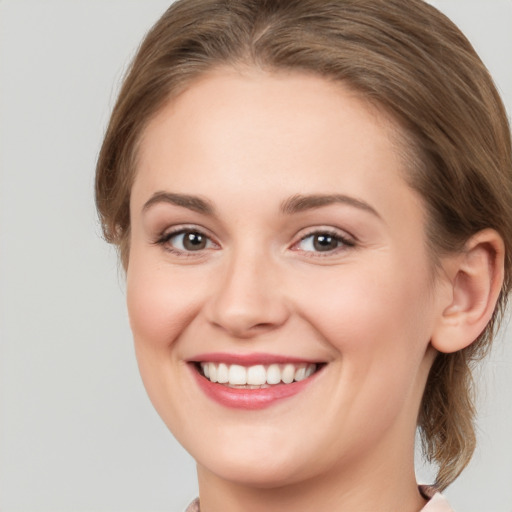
{"x": 473, "y": 282}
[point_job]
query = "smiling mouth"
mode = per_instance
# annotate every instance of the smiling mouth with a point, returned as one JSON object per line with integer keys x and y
{"x": 257, "y": 376}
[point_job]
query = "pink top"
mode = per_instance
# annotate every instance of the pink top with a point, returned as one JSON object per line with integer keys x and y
{"x": 437, "y": 502}
{"x": 194, "y": 506}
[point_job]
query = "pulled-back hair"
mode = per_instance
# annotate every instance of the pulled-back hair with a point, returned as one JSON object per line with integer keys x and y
{"x": 404, "y": 56}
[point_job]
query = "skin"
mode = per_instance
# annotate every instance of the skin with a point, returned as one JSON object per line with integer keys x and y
{"x": 246, "y": 143}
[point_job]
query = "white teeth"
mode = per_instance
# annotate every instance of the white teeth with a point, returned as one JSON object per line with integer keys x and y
{"x": 273, "y": 374}
{"x": 300, "y": 374}
{"x": 258, "y": 375}
{"x": 222, "y": 374}
{"x": 237, "y": 375}
{"x": 212, "y": 367}
{"x": 288, "y": 373}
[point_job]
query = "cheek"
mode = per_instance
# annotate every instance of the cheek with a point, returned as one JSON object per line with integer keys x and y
{"x": 379, "y": 310}
{"x": 160, "y": 303}
{"x": 379, "y": 323}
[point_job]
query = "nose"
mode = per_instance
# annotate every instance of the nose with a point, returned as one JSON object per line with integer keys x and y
{"x": 248, "y": 299}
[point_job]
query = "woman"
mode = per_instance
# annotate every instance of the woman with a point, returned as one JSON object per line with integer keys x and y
{"x": 312, "y": 202}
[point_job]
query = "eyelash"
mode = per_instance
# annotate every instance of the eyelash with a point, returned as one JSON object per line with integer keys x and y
{"x": 343, "y": 242}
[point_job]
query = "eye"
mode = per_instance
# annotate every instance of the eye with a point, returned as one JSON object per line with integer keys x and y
{"x": 323, "y": 241}
{"x": 186, "y": 240}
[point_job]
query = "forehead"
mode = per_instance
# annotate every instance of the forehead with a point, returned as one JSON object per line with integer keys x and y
{"x": 271, "y": 122}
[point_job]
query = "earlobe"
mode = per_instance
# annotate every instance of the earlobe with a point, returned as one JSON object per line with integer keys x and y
{"x": 475, "y": 280}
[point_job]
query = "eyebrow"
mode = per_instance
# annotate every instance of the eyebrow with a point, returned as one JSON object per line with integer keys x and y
{"x": 193, "y": 203}
{"x": 295, "y": 204}
{"x": 300, "y": 203}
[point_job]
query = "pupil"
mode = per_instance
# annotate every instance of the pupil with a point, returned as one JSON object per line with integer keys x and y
{"x": 324, "y": 242}
{"x": 194, "y": 241}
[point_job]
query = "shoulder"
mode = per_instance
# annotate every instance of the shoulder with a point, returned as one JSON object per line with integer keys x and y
{"x": 194, "y": 506}
{"x": 437, "y": 502}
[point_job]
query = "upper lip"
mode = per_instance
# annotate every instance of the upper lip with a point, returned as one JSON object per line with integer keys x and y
{"x": 250, "y": 359}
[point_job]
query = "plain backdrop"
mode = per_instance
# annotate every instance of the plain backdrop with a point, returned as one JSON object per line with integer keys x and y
{"x": 77, "y": 432}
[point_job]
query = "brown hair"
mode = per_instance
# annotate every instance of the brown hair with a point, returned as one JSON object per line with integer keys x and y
{"x": 406, "y": 57}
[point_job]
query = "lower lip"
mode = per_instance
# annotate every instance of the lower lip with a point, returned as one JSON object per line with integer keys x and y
{"x": 250, "y": 399}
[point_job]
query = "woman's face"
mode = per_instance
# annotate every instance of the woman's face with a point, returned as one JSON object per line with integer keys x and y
{"x": 273, "y": 235}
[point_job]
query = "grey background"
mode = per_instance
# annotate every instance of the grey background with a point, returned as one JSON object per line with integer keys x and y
{"x": 77, "y": 432}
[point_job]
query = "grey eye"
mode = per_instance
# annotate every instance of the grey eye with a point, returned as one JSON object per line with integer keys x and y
{"x": 320, "y": 242}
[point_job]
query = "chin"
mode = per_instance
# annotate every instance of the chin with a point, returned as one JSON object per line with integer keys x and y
{"x": 261, "y": 473}
{"x": 258, "y": 463}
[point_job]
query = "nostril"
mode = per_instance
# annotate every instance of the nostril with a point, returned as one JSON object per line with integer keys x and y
{"x": 263, "y": 326}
